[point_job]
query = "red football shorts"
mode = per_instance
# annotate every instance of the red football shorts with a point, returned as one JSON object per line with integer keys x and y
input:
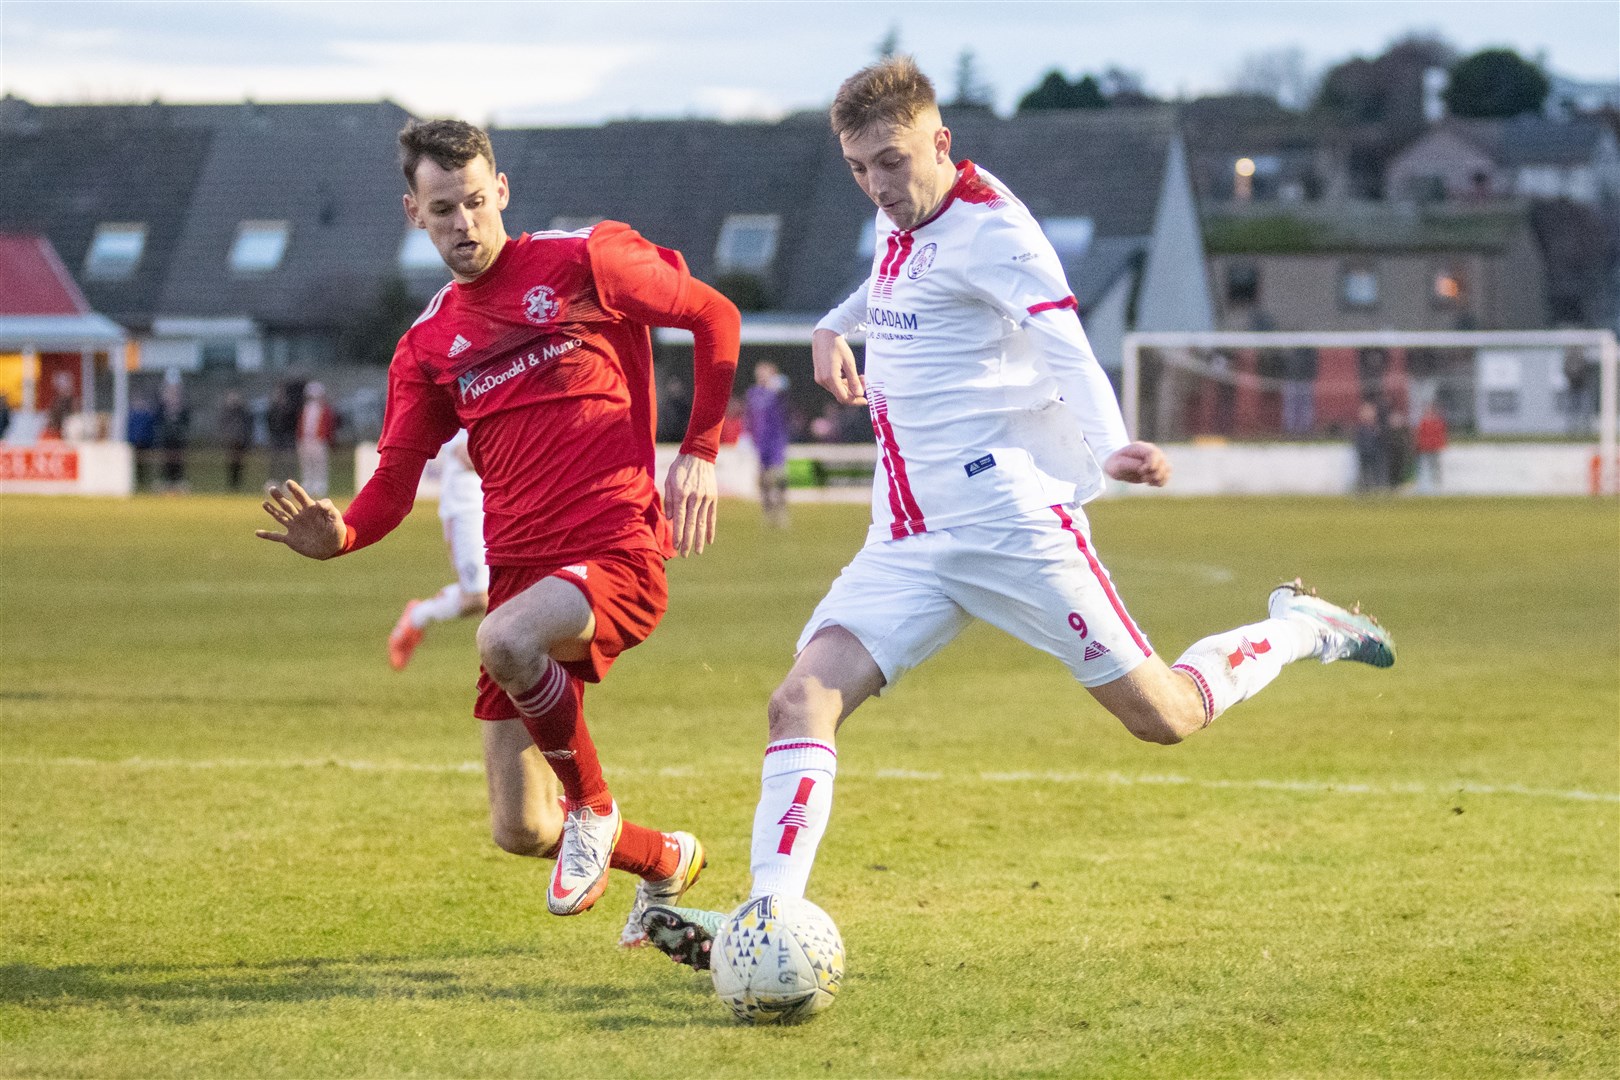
{"x": 628, "y": 593}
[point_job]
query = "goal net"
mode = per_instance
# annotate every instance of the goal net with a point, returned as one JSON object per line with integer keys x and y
{"x": 1556, "y": 386}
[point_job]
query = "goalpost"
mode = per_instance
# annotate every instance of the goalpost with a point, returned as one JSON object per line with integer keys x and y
{"x": 1509, "y": 386}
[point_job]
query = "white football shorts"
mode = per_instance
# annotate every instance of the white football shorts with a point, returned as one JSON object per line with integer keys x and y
{"x": 1034, "y": 575}
{"x": 465, "y": 535}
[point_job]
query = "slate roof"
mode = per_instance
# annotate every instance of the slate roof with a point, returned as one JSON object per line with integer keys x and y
{"x": 676, "y": 181}
{"x": 192, "y": 173}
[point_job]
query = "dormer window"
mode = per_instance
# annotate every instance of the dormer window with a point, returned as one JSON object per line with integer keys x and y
{"x": 115, "y": 251}
{"x": 747, "y": 242}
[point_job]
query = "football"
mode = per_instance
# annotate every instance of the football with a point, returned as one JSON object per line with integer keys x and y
{"x": 777, "y": 960}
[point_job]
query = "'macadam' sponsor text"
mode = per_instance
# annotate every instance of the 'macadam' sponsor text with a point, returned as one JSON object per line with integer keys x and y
{"x": 900, "y": 320}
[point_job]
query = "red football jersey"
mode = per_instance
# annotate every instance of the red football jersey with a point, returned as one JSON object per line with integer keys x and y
{"x": 546, "y": 360}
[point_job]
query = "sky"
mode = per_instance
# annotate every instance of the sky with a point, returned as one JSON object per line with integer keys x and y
{"x": 584, "y": 62}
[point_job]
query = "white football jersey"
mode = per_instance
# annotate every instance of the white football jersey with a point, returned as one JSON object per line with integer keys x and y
{"x": 985, "y": 396}
{"x": 460, "y": 489}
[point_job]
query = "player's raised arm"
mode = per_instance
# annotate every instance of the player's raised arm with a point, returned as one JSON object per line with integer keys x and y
{"x": 651, "y": 285}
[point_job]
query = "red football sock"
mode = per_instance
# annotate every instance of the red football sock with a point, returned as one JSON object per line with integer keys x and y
{"x": 553, "y": 710}
{"x": 646, "y": 852}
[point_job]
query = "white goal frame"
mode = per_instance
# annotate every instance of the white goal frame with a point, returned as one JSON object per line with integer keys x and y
{"x": 1603, "y": 340}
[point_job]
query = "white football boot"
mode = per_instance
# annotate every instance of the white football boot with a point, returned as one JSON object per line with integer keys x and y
{"x": 665, "y": 891}
{"x": 581, "y": 873}
{"x": 1341, "y": 633}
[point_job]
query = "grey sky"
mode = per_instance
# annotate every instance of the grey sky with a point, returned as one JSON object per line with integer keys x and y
{"x": 583, "y": 62}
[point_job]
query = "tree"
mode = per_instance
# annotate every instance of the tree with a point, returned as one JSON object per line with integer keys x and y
{"x": 1056, "y": 92}
{"x": 1279, "y": 74}
{"x": 889, "y": 44}
{"x": 1495, "y": 83}
{"x": 971, "y": 89}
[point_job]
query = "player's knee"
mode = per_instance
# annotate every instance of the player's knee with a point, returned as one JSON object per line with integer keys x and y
{"x": 790, "y": 710}
{"x": 514, "y": 839}
{"x": 1162, "y": 726}
{"x": 502, "y": 649}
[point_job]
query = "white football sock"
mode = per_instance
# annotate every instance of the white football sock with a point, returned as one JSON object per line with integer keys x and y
{"x": 441, "y": 607}
{"x": 795, "y": 799}
{"x": 1234, "y": 666}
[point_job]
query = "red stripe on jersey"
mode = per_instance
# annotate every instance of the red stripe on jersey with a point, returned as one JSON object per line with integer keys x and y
{"x": 908, "y": 516}
{"x": 898, "y": 252}
{"x": 1102, "y": 579}
{"x": 1055, "y": 305}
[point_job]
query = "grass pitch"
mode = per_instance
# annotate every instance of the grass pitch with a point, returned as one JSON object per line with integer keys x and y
{"x": 234, "y": 843}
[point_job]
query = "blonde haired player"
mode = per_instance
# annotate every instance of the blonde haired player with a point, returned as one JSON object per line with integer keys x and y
{"x": 994, "y": 423}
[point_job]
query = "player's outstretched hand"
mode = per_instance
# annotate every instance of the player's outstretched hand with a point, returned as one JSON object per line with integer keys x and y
{"x": 836, "y": 370}
{"x": 314, "y": 527}
{"x": 1139, "y": 463}
{"x": 692, "y": 501}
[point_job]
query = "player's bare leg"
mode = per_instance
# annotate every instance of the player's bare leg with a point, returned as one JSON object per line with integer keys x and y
{"x": 525, "y": 817}
{"x": 830, "y": 679}
{"x": 521, "y": 644}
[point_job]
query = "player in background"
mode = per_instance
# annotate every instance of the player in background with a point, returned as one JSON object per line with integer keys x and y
{"x": 540, "y": 347}
{"x": 766, "y": 420}
{"x": 992, "y": 416}
{"x": 461, "y": 515}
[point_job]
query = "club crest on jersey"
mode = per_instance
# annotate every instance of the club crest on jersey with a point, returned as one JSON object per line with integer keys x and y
{"x": 921, "y": 261}
{"x": 540, "y": 305}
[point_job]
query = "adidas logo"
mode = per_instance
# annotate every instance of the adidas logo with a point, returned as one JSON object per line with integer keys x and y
{"x": 1096, "y": 649}
{"x": 459, "y": 346}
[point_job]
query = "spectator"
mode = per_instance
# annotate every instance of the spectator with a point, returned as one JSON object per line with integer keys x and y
{"x": 674, "y": 406}
{"x": 173, "y": 431}
{"x": 767, "y": 422}
{"x": 1398, "y": 443}
{"x": 1372, "y": 450}
{"x": 1299, "y": 391}
{"x": 1431, "y": 440}
{"x": 140, "y": 428}
{"x": 281, "y": 427}
{"x": 316, "y": 423}
{"x": 5, "y": 413}
{"x": 236, "y": 435}
{"x": 62, "y": 406}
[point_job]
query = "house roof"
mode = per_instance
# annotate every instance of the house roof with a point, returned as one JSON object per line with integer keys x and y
{"x": 676, "y": 182}
{"x": 40, "y": 305}
{"x": 193, "y": 173}
{"x": 33, "y": 280}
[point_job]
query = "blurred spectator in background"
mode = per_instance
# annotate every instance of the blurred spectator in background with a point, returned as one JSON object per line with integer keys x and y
{"x": 5, "y": 414}
{"x": 316, "y": 423}
{"x": 767, "y": 423}
{"x": 1372, "y": 452}
{"x": 1581, "y": 379}
{"x": 140, "y": 428}
{"x": 1299, "y": 391}
{"x": 1398, "y": 443}
{"x": 674, "y": 406}
{"x": 235, "y": 435}
{"x": 1431, "y": 439}
{"x": 63, "y": 406}
{"x": 173, "y": 431}
{"x": 281, "y": 427}
{"x": 732, "y": 427}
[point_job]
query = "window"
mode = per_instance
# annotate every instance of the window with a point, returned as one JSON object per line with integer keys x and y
{"x": 1358, "y": 287}
{"x": 115, "y": 251}
{"x": 259, "y": 246}
{"x": 574, "y": 222}
{"x": 747, "y": 242}
{"x": 1242, "y": 282}
{"x": 1448, "y": 288}
{"x": 1070, "y": 236}
{"x": 417, "y": 253}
